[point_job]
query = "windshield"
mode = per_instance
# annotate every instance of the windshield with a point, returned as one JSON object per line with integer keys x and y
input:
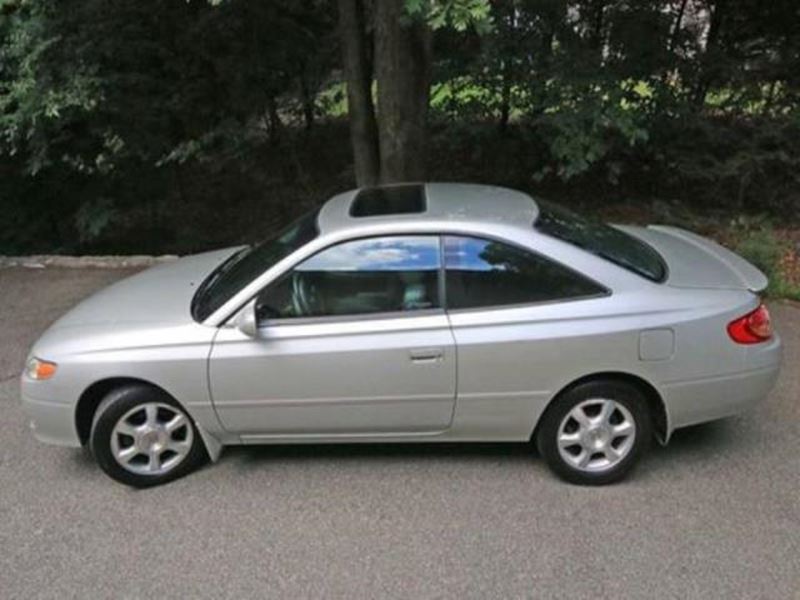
{"x": 244, "y": 266}
{"x": 601, "y": 239}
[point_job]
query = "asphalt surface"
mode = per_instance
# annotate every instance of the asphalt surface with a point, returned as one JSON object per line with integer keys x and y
{"x": 714, "y": 515}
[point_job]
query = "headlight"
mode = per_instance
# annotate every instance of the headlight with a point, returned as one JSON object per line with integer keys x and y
{"x": 40, "y": 369}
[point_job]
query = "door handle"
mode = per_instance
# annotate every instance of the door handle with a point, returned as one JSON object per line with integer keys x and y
{"x": 426, "y": 355}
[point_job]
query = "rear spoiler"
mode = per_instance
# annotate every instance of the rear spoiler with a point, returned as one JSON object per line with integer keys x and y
{"x": 739, "y": 269}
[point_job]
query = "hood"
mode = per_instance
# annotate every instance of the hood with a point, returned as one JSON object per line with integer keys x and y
{"x": 159, "y": 295}
{"x": 697, "y": 262}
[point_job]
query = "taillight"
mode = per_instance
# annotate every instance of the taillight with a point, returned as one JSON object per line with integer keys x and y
{"x": 753, "y": 328}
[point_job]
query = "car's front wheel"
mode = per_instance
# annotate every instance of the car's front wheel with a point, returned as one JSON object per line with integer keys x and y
{"x": 595, "y": 432}
{"x": 142, "y": 437}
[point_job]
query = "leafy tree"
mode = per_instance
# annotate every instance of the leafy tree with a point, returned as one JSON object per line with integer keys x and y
{"x": 390, "y": 42}
{"x": 112, "y": 108}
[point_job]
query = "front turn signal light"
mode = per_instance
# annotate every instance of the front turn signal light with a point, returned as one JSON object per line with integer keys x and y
{"x": 39, "y": 369}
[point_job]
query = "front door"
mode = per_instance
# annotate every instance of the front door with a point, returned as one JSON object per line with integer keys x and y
{"x": 354, "y": 341}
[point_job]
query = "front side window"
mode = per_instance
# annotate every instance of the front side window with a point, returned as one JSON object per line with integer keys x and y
{"x": 361, "y": 277}
{"x": 485, "y": 273}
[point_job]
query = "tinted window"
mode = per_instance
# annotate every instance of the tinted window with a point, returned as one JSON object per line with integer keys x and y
{"x": 242, "y": 268}
{"x": 361, "y": 277}
{"x": 388, "y": 200}
{"x": 482, "y": 273}
{"x": 602, "y": 240}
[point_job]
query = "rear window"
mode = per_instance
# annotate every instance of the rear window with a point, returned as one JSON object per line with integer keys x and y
{"x": 389, "y": 200}
{"x": 601, "y": 239}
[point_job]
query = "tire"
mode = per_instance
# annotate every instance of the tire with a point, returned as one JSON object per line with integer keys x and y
{"x": 611, "y": 428}
{"x": 155, "y": 439}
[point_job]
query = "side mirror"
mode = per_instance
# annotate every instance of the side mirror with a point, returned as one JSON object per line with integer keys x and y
{"x": 245, "y": 321}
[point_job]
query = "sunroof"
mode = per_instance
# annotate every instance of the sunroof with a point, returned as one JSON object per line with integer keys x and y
{"x": 389, "y": 200}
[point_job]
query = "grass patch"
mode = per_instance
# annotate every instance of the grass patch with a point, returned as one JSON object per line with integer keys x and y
{"x": 776, "y": 254}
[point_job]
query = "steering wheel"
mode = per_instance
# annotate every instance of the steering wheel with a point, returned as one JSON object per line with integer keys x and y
{"x": 305, "y": 299}
{"x": 299, "y": 301}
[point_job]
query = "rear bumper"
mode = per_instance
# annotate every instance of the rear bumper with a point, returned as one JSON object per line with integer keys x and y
{"x": 707, "y": 399}
{"x": 51, "y": 422}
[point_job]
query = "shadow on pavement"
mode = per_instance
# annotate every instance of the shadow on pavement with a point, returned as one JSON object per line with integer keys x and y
{"x": 686, "y": 444}
{"x": 382, "y": 452}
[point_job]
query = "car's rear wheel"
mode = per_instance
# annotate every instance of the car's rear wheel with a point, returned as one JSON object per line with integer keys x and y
{"x": 142, "y": 437}
{"x": 595, "y": 432}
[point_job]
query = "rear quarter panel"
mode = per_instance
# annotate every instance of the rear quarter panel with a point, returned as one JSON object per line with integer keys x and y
{"x": 512, "y": 362}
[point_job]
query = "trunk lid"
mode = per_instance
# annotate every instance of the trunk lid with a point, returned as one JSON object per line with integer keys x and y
{"x": 697, "y": 262}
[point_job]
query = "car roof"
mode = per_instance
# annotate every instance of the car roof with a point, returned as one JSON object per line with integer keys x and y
{"x": 443, "y": 203}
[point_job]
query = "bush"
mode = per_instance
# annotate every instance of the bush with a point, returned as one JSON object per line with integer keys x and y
{"x": 763, "y": 249}
{"x": 744, "y": 164}
{"x": 776, "y": 257}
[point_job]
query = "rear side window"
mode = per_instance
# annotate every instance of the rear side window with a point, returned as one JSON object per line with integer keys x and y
{"x": 485, "y": 273}
{"x": 361, "y": 277}
{"x": 601, "y": 239}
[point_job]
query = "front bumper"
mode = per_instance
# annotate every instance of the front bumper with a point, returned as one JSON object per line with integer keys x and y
{"x": 51, "y": 422}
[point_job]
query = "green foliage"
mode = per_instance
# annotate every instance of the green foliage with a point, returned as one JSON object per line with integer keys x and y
{"x": 37, "y": 107}
{"x": 776, "y": 258}
{"x": 747, "y": 164}
{"x": 123, "y": 123}
{"x": 464, "y": 97}
{"x": 149, "y": 78}
{"x": 94, "y": 217}
{"x": 582, "y": 131}
{"x": 461, "y": 15}
{"x": 762, "y": 248}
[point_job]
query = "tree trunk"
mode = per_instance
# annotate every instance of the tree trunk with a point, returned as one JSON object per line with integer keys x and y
{"x": 402, "y": 60}
{"x": 308, "y": 100}
{"x": 672, "y": 68}
{"x": 274, "y": 123}
{"x": 546, "y": 49}
{"x": 507, "y": 72}
{"x": 358, "y": 72}
{"x": 709, "y": 68}
{"x": 676, "y": 30}
{"x": 598, "y": 25}
{"x": 769, "y": 102}
{"x": 505, "y": 99}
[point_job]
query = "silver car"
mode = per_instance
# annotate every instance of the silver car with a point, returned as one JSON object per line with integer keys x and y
{"x": 411, "y": 313}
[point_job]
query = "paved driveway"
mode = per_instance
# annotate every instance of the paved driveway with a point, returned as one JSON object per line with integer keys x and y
{"x": 714, "y": 515}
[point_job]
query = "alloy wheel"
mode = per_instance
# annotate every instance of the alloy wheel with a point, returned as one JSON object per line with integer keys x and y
{"x": 596, "y": 435}
{"x": 151, "y": 439}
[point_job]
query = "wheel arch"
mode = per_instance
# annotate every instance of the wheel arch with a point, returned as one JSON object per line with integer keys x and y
{"x": 93, "y": 395}
{"x": 655, "y": 402}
